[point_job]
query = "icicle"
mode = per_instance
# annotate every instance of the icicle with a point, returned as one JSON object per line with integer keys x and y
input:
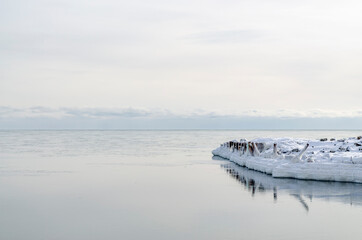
{"x": 256, "y": 150}
{"x": 275, "y": 152}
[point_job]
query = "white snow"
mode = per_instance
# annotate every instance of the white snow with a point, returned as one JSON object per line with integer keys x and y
{"x": 330, "y": 160}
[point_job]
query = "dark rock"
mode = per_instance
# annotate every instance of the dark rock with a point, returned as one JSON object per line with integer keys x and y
{"x": 359, "y": 137}
{"x": 295, "y": 150}
{"x": 332, "y": 151}
{"x": 332, "y": 139}
{"x": 341, "y": 149}
{"x": 260, "y": 146}
{"x": 341, "y": 140}
{"x": 324, "y": 139}
{"x": 358, "y": 144}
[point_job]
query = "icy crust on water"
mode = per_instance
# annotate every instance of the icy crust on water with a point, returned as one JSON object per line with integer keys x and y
{"x": 326, "y": 160}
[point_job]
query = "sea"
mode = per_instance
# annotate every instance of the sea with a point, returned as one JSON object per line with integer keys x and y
{"x": 123, "y": 184}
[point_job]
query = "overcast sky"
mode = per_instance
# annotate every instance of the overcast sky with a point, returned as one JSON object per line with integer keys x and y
{"x": 189, "y": 58}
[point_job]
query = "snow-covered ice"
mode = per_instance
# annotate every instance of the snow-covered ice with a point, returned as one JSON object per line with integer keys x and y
{"x": 323, "y": 159}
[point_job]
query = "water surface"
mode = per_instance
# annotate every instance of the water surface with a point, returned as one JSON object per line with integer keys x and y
{"x": 161, "y": 185}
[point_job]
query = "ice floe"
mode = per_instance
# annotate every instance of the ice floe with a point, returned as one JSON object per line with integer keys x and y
{"x": 323, "y": 159}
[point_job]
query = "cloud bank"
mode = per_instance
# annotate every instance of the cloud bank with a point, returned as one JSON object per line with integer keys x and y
{"x": 134, "y": 118}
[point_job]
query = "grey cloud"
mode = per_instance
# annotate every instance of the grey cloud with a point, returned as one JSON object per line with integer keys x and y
{"x": 7, "y": 112}
{"x": 100, "y": 113}
{"x": 131, "y": 118}
{"x": 107, "y": 113}
{"x": 38, "y": 111}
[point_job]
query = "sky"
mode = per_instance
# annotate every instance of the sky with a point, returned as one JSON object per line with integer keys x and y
{"x": 180, "y": 64}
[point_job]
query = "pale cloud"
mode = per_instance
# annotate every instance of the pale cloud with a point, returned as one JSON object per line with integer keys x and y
{"x": 33, "y": 112}
{"x": 224, "y": 37}
{"x": 114, "y": 113}
{"x": 280, "y": 59}
{"x": 59, "y": 113}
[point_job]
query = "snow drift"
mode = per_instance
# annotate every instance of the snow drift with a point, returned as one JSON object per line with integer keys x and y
{"x": 326, "y": 160}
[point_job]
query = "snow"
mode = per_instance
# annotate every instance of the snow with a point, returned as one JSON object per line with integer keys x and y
{"x": 327, "y": 160}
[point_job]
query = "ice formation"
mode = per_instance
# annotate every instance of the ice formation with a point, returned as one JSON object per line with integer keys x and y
{"x": 326, "y": 160}
{"x": 304, "y": 191}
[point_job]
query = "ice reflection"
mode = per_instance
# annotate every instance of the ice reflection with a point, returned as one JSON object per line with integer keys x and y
{"x": 303, "y": 191}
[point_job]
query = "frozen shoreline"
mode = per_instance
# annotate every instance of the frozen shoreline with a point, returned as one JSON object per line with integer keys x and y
{"x": 326, "y": 160}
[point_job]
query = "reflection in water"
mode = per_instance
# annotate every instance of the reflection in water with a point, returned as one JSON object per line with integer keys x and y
{"x": 301, "y": 200}
{"x": 257, "y": 182}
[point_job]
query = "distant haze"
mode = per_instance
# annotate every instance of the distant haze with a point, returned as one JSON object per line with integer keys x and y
{"x": 180, "y": 64}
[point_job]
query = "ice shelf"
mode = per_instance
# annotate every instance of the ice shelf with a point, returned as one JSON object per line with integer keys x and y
{"x": 323, "y": 159}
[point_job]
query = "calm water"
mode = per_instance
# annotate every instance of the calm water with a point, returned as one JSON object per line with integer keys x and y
{"x": 161, "y": 185}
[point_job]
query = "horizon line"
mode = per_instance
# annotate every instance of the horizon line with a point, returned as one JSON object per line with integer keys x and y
{"x": 172, "y": 129}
